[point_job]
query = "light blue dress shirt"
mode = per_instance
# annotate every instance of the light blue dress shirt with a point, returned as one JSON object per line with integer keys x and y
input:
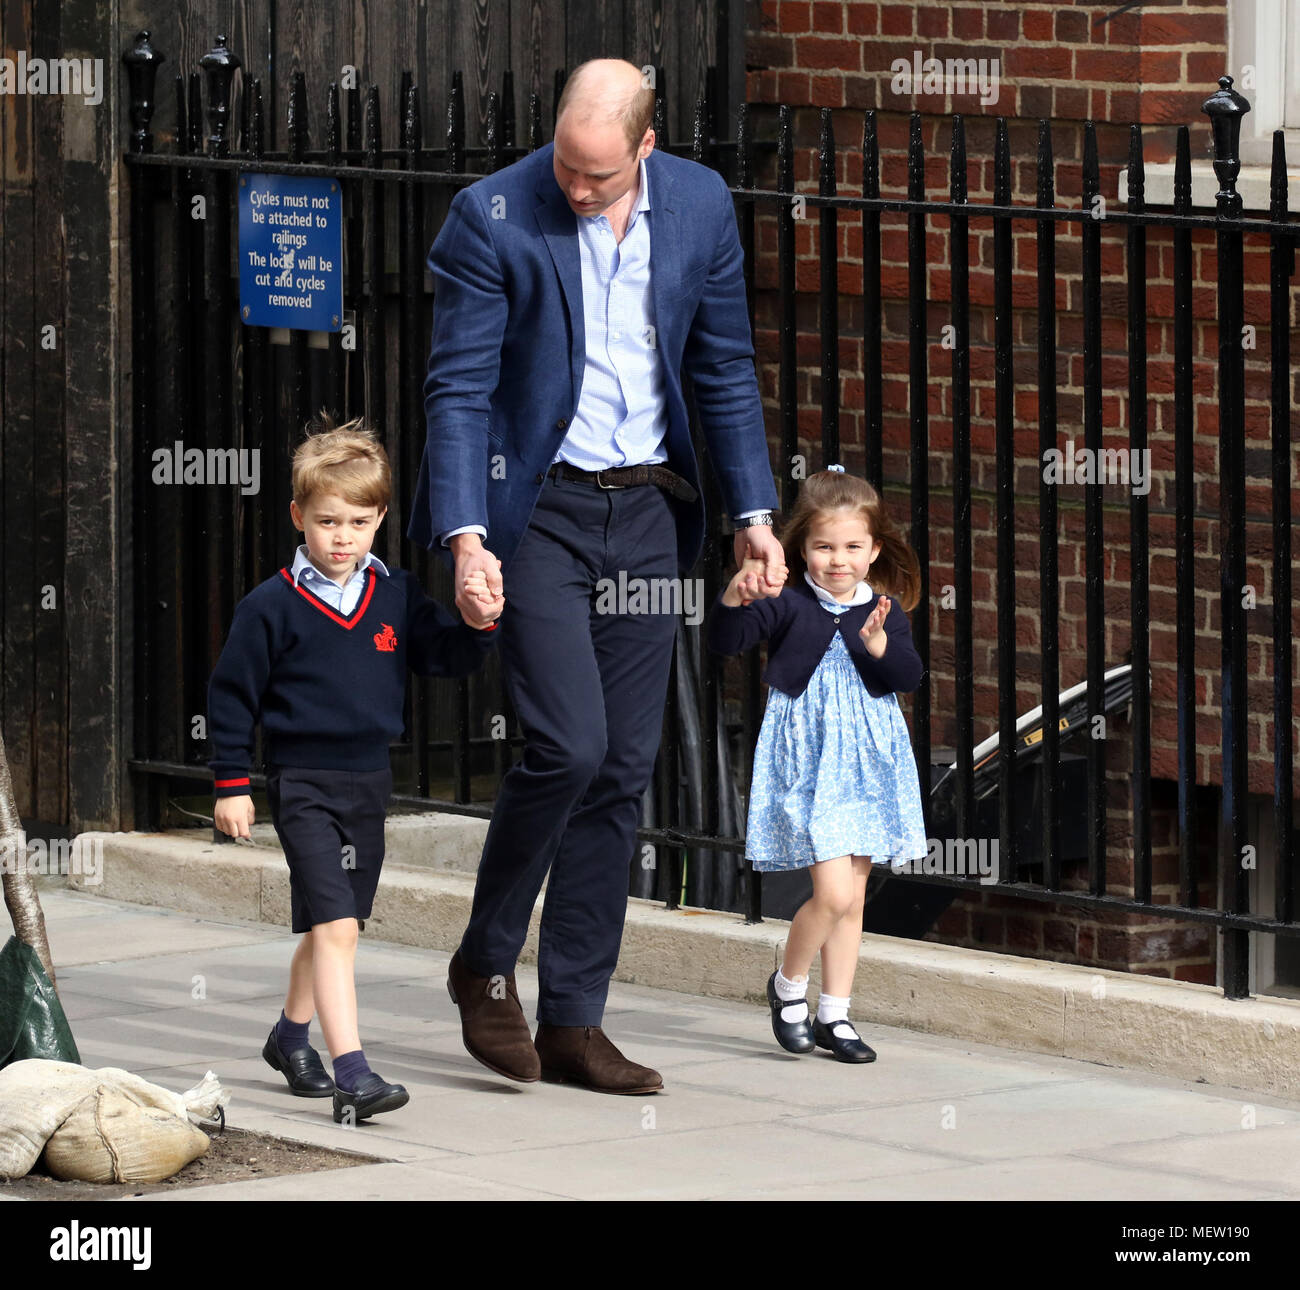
{"x": 341, "y": 598}
{"x": 621, "y": 419}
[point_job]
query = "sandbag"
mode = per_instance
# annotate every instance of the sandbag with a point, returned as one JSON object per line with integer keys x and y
{"x": 111, "y": 1137}
{"x": 37, "y": 1097}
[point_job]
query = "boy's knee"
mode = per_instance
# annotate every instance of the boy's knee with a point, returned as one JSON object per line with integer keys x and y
{"x": 341, "y": 933}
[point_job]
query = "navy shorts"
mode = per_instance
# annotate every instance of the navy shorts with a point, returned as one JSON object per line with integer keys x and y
{"x": 331, "y": 826}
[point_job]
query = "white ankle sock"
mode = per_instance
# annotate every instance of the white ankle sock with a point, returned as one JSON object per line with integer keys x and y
{"x": 830, "y": 1009}
{"x": 793, "y": 994}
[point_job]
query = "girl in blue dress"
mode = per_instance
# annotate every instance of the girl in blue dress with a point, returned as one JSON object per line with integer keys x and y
{"x": 835, "y": 784}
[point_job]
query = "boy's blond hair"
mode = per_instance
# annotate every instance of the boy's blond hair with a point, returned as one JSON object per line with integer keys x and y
{"x": 348, "y": 460}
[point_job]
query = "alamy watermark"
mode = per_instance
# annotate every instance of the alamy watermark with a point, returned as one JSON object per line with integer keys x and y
{"x": 955, "y": 858}
{"x": 181, "y": 465}
{"x": 1130, "y": 467}
{"x": 651, "y": 596}
{"x": 83, "y": 76}
{"x": 981, "y": 76}
{"x": 81, "y": 856}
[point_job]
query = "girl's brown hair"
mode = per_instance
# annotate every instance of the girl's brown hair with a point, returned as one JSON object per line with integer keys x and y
{"x": 895, "y": 570}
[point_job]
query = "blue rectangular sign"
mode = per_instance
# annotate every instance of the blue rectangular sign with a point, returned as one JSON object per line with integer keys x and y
{"x": 290, "y": 252}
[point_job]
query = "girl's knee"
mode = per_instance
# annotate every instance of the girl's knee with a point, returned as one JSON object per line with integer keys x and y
{"x": 834, "y": 904}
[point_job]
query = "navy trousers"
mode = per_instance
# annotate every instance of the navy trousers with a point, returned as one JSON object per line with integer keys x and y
{"x": 588, "y": 682}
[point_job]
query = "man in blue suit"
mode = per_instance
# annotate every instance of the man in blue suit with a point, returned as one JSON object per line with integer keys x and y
{"x": 571, "y": 291}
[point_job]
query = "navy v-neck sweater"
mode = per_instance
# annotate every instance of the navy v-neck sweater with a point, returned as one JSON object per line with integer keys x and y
{"x": 799, "y": 632}
{"x": 327, "y": 689}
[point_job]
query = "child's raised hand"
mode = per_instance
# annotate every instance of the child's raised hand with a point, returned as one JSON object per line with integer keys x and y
{"x": 873, "y": 630}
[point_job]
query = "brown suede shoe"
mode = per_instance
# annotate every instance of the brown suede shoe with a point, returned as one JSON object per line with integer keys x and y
{"x": 492, "y": 1024}
{"x": 585, "y": 1055}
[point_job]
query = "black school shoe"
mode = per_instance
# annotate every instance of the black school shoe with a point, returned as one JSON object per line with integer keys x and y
{"x": 302, "y": 1068}
{"x": 371, "y": 1096}
{"x": 793, "y": 1036}
{"x": 845, "y": 1049}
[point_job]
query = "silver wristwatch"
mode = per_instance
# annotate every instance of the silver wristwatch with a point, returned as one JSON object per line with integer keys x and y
{"x": 753, "y": 521}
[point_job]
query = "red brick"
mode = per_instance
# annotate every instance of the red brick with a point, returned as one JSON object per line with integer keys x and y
{"x": 1161, "y": 68}
{"x": 864, "y": 19}
{"x": 1181, "y": 30}
{"x": 1037, "y": 25}
{"x": 824, "y": 52}
{"x": 827, "y": 91}
{"x": 1003, "y": 24}
{"x": 827, "y": 16}
{"x": 769, "y": 51}
{"x": 1207, "y": 68}
{"x": 932, "y": 20}
{"x": 1106, "y": 67}
{"x": 795, "y": 15}
{"x": 968, "y": 22}
{"x": 1072, "y": 27}
{"x": 1176, "y": 107}
{"x": 794, "y": 88}
{"x": 897, "y": 20}
{"x": 1037, "y": 64}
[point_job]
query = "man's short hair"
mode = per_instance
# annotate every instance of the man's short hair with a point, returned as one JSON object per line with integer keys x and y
{"x": 348, "y": 460}
{"x": 634, "y": 112}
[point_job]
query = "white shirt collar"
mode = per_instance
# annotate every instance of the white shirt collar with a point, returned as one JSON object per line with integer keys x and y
{"x": 861, "y": 594}
{"x": 642, "y": 200}
{"x": 303, "y": 567}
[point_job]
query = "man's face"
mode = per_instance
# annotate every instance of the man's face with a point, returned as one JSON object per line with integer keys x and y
{"x": 593, "y": 165}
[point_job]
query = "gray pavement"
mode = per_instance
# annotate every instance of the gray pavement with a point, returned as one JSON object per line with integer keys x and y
{"x": 170, "y": 995}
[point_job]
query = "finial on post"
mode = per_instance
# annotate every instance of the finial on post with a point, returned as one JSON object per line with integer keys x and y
{"x": 142, "y": 61}
{"x": 218, "y": 66}
{"x": 1225, "y": 108}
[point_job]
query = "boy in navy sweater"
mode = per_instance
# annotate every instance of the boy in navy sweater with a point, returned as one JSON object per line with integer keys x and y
{"x": 318, "y": 654}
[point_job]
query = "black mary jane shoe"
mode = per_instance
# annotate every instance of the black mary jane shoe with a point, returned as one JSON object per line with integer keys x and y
{"x": 371, "y": 1096}
{"x": 302, "y": 1068}
{"x": 793, "y": 1036}
{"x": 846, "y": 1049}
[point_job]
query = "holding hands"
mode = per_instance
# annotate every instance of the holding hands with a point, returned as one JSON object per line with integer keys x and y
{"x": 761, "y": 561}
{"x": 480, "y": 606}
{"x": 478, "y": 581}
{"x": 873, "y": 630}
{"x": 750, "y": 584}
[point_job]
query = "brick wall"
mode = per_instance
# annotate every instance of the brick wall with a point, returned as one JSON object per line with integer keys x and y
{"x": 1156, "y": 66}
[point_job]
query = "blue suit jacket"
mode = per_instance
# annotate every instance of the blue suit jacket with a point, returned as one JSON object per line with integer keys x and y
{"x": 508, "y": 350}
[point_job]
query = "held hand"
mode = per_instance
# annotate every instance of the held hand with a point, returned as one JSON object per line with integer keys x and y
{"x": 234, "y": 816}
{"x": 759, "y": 543}
{"x": 748, "y": 585}
{"x": 484, "y": 608}
{"x": 477, "y": 600}
{"x": 873, "y": 630}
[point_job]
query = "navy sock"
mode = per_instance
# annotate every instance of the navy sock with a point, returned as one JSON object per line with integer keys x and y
{"x": 349, "y": 1069}
{"x": 291, "y": 1035}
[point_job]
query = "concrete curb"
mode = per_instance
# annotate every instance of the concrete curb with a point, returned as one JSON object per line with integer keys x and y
{"x": 1172, "y": 1028}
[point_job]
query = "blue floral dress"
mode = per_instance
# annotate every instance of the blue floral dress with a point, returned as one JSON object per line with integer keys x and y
{"x": 834, "y": 775}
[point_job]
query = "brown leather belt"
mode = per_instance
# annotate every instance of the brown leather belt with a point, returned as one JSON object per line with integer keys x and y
{"x": 627, "y": 477}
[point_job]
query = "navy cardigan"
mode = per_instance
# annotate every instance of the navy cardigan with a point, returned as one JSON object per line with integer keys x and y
{"x": 800, "y": 632}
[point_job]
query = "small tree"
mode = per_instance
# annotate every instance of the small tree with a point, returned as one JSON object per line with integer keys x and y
{"x": 21, "y": 898}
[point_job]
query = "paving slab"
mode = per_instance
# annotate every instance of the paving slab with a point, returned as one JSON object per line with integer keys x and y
{"x": 171, "y": 995}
